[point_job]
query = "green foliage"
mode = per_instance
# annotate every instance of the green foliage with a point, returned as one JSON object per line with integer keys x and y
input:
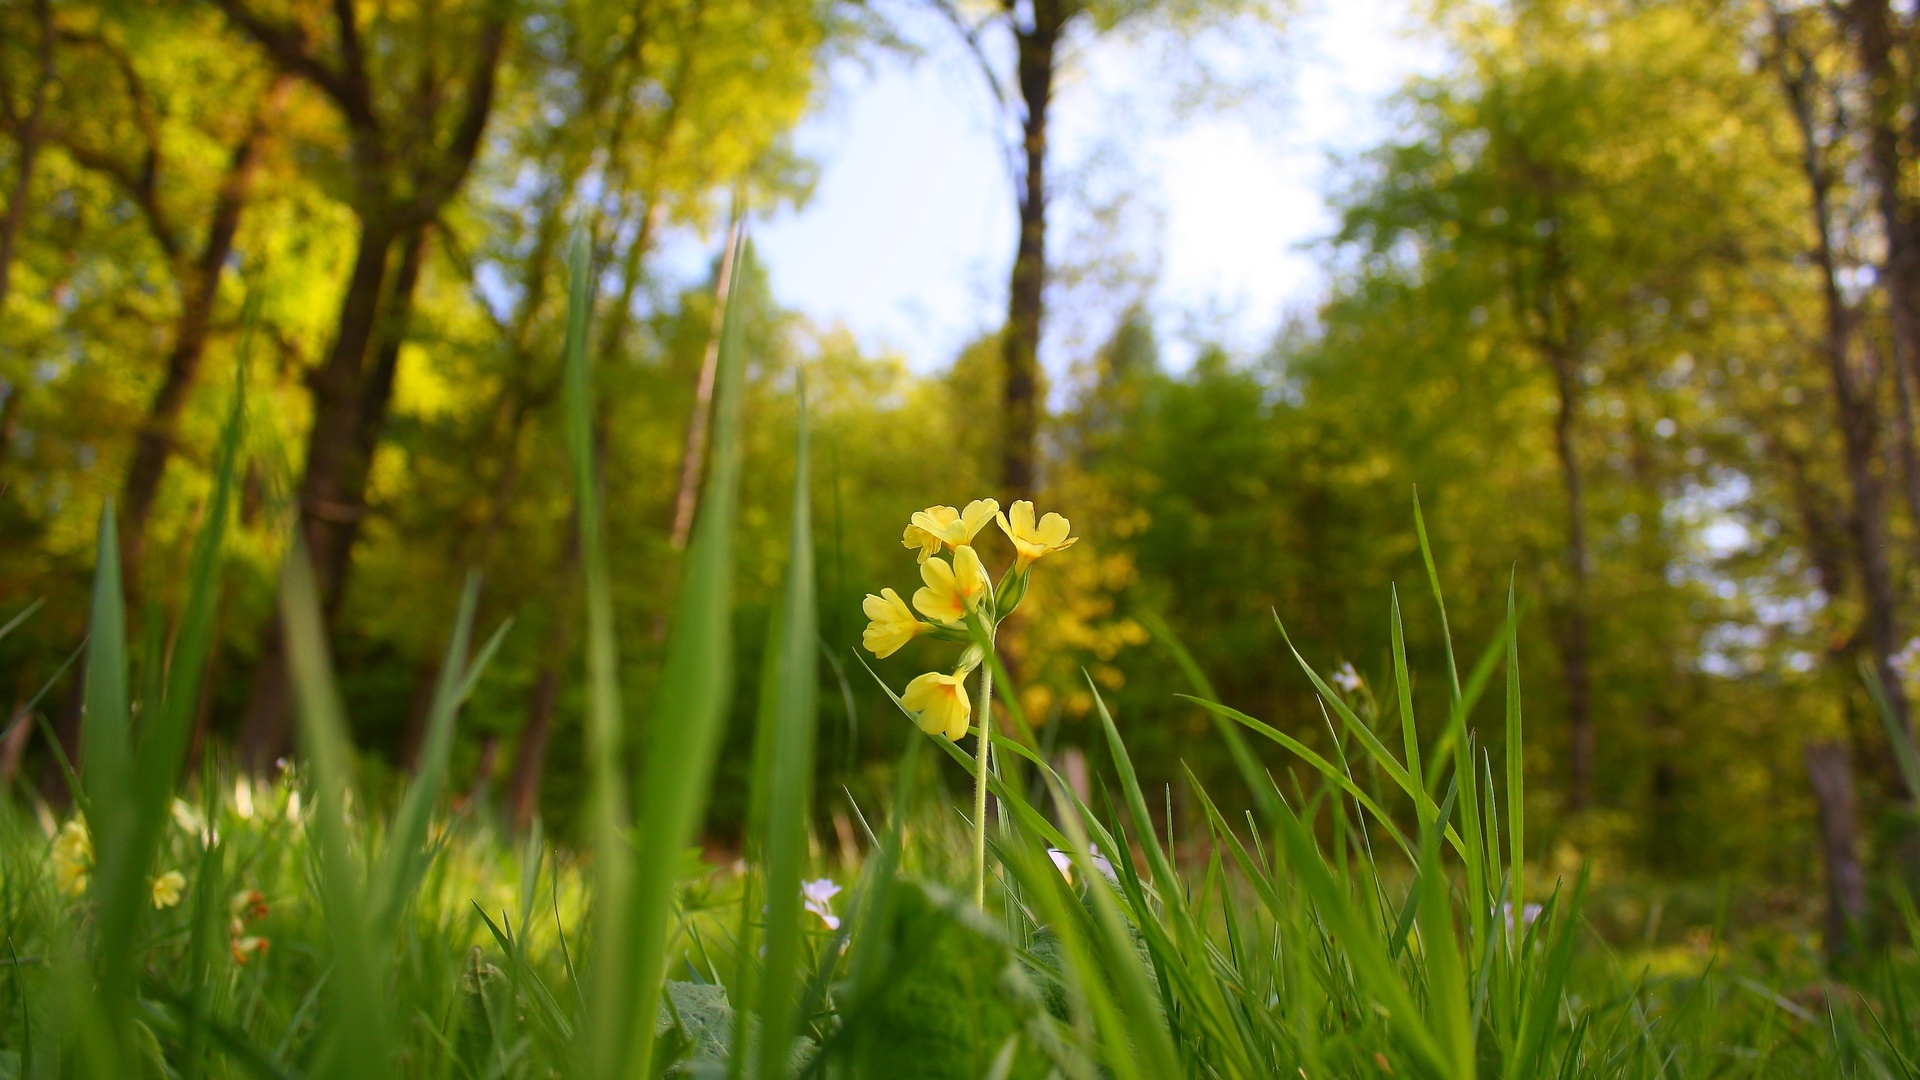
{"x": 953, "y": 998}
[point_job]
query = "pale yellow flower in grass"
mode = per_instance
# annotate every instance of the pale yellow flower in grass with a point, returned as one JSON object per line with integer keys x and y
{"x": 72, "y": 858}
{"x": 939, "y": 704}
{"x": 893, "y": 623}
{"x": 952, "y": 589}
{"x": 1030, "y": 540}
{"x": 167, "y": 889}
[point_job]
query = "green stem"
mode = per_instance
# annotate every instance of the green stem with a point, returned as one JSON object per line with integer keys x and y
{"x": 980, "y": 784}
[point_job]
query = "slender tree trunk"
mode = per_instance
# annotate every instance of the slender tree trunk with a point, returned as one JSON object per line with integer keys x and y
{"x": 1873, "y": 28}
{"x": 1020, "y": 403}
{"x": 1854, "y": 391}
{"x": 1831, "y": 775}
{"x": 696, "y": 449}
{"x": 530, "y": 759}
{"x": 199, "y": 291}
{"x": 1872, "y": 23}
{"x": 620, "y": 315}
{"x": 1573, "y": 631}
{"x": 32, "y": 133}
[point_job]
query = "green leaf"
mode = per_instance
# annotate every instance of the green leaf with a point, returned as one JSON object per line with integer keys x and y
{"x": 955, "y": 994}
{"x": 358, "y": 1039}
{"x": 789, "y": 716}
{"x": 690, "y": 714}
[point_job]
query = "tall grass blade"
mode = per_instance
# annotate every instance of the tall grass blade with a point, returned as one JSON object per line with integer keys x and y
{"x": 106, "y": 739}
{"x": 1516, "y": 765}
{"x": 358, "y": 1040}
{"x": 1905, "y": 757}
{"x": 1439, "y": 601}
{"x": 611, "y": 980}
{"x": 790, "y": 735}
{"x": 690, "y": 715}
{"x": 1244, "y": 758}
{"x": 405, "y": 858}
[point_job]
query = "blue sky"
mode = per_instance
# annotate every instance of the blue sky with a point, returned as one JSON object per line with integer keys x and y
{"x": 907, "y": 238}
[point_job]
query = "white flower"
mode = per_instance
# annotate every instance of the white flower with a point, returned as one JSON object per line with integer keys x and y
{"x": 1528, "y": 914}
{"x": 818, "y": 898}
{"x": 190, "y": 822}
{"x": 1063, "y": 862}
{"x": 1907, "y": 659}
{"x": 1347, "y": 679}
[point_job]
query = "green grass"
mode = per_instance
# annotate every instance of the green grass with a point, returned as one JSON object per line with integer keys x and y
{"x": 1366, "y": 916}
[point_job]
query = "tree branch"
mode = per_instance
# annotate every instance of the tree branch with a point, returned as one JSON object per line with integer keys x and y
{"x": 1009, "y": 110}
{"x": 287, "y": 45}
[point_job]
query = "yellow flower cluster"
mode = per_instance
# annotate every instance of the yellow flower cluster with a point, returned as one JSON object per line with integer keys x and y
{"x": 72, "y": 858}
{"x": 73, "y": 867}
{"x": 955, "y": 590}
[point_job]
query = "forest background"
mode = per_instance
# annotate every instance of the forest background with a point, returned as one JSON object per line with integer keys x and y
{"x": 1631, "y": 293}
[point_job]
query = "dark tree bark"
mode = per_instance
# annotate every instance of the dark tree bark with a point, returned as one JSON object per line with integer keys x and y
{"x": 1876, "y": 33}
{"x": 1831, "y": 774}
{"x": 199, "y": 290}
{"x": 1854, "y": 383}
{"x": 695, "y": 452}
{"x": 1572, "y": 633}
{"x": 1037, "y": 44}
{"x": 32, "y": 134}
{"x": 405, "y": 165}
{"x": 348, "y": 404}
{"x": 530, "y": 758}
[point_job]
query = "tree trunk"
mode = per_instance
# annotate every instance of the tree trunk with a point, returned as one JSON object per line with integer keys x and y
{"x": 199, "y": 291}
{"x": 1020, "y": 403}
{"x": 1831, "y": 774}
{"x": 695, "y": 453}
{"x": 1572, "y": 632}
{"x": 329, "y": 504}
{"x": 31, "y": 134}
{"x": 530, "y": 760}
{"x": 1854, "y": 390}
{"x": 1873, "y": 31}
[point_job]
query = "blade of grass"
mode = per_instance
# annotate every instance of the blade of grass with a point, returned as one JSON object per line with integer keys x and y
{"x": 403, "y": 861}
{"x": 788, "y": 797}
{"x": 1243, "y": 756}
{"x": 690, "y": 715}
{"x": 358, "y": 1041}
{"x": 1516, "y": 771}
{"x": 611, "y": 980}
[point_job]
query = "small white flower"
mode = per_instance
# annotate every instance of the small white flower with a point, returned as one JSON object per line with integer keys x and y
{"x": 1347, "y": 679}
{"x": 191, "y": 823}
{"x": 1907, "y": 659}
{"x": 1528, "y": 914}
{"x": 1063, "y": 862}
{"x": 817, "y": 897}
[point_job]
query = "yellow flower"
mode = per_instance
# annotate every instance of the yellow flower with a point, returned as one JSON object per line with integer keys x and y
{"x": 72, "y": 858}
{"x": 954, "y": 528}
{"x": 167, "y": 888}
{"x": 1030, "y": 541}
{"x": 893, "y": 623}
{"x": 917, "y": 537}
{"x": 951, "y": 591}
{"x": 939, "y": 704}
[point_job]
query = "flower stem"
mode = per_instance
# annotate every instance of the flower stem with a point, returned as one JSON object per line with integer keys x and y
{"x": 980, "y": 782}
